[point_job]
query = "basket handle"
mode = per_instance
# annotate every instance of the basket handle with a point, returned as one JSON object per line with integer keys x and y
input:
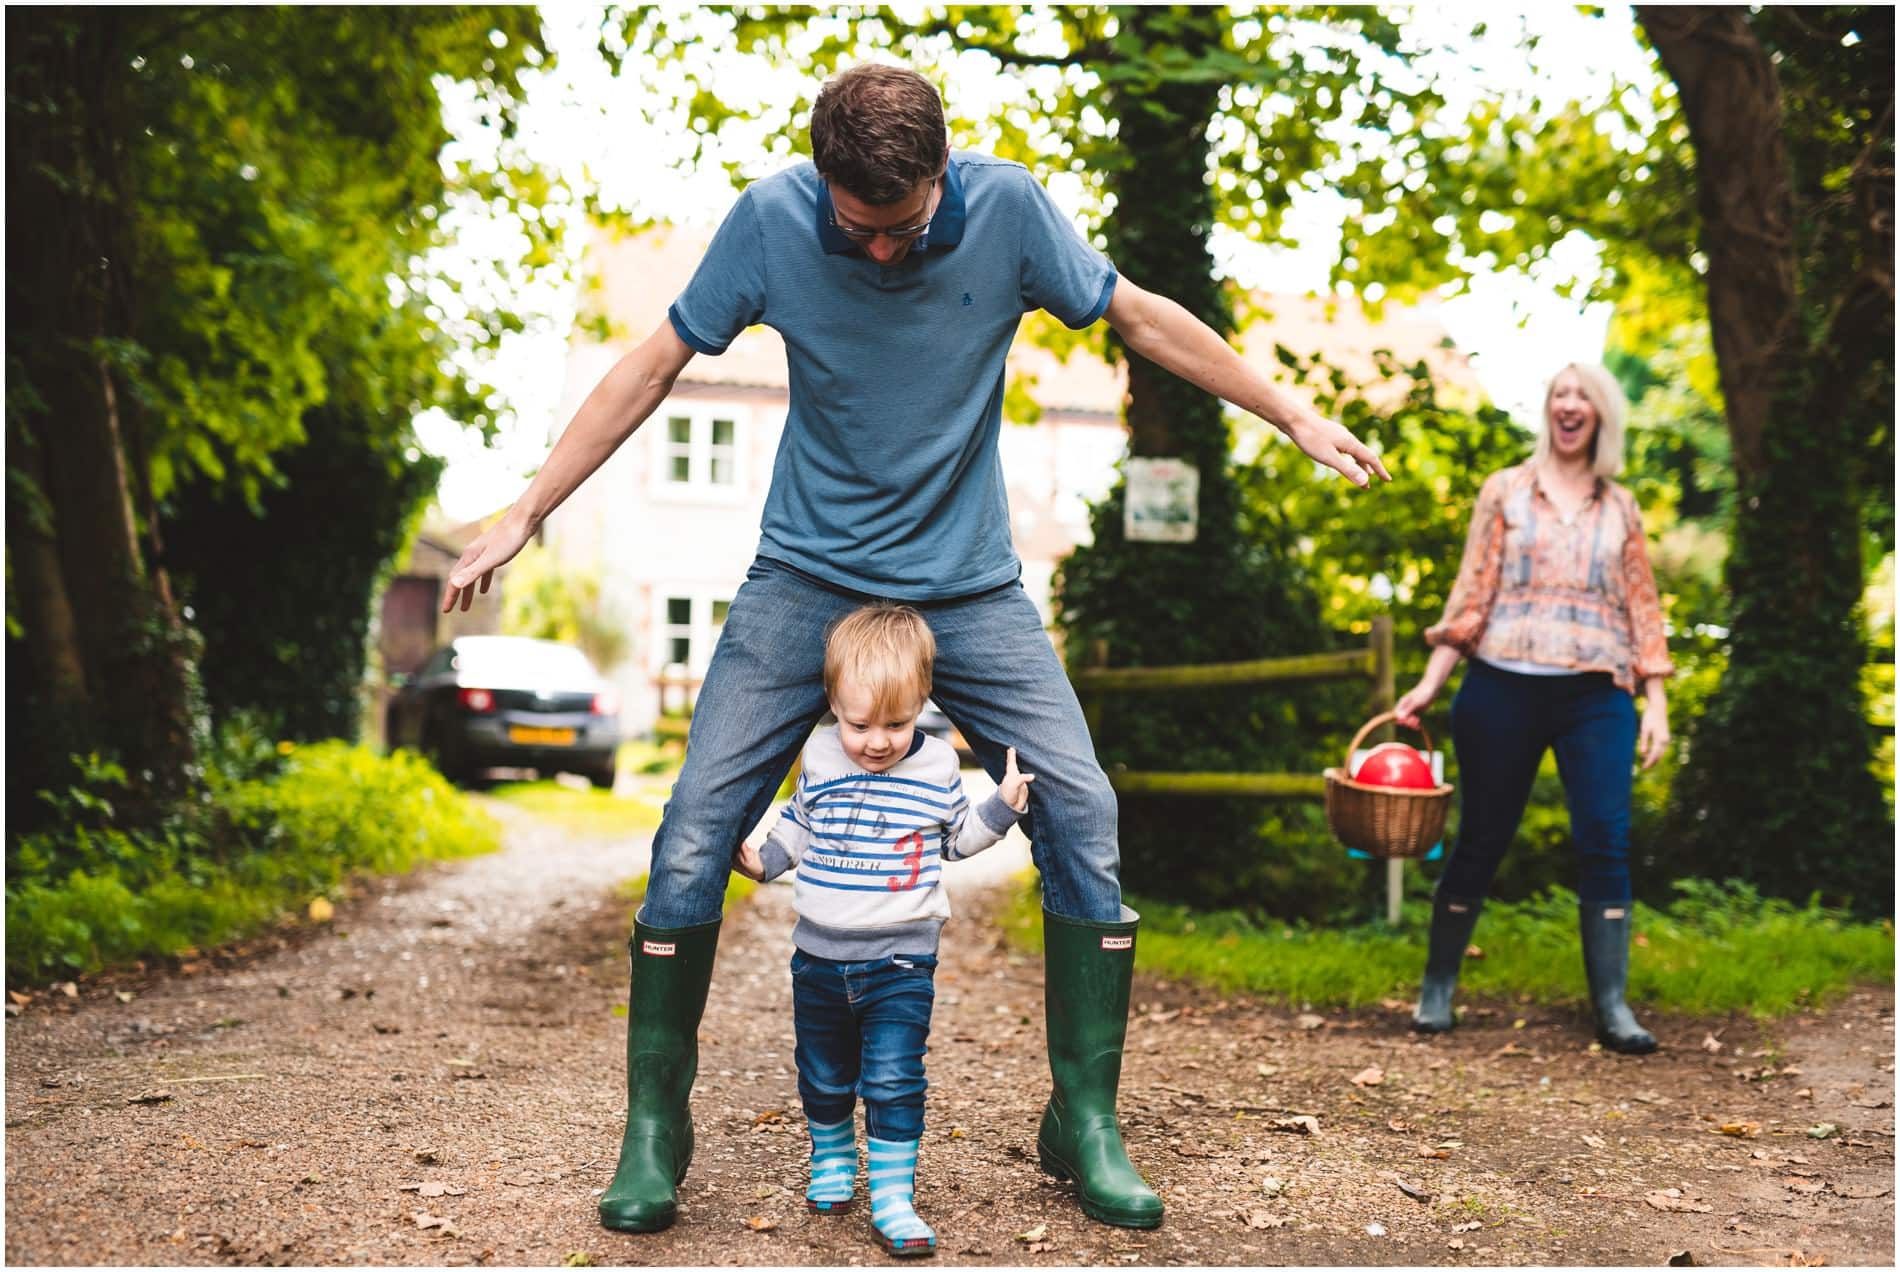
{"x": 1384, "y": 717}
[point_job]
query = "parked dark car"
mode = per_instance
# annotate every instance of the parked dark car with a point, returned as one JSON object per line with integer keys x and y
{"x": 484, "y": 702}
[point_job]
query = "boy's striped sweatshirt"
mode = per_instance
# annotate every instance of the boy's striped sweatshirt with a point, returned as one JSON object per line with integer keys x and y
{"x": 869, "y": 848}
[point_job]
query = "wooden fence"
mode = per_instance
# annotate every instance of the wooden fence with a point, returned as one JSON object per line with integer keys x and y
{"x": 1373, "y": 662}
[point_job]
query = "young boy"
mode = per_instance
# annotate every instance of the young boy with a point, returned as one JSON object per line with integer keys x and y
{"x": 879, "y": 807}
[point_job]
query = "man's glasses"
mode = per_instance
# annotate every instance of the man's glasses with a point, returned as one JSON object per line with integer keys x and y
{"x": 897, "y": 233}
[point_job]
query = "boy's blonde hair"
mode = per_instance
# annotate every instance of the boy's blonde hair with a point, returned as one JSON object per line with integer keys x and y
{"x": 1602, "y": 391}
{"x": 886, "y": 649}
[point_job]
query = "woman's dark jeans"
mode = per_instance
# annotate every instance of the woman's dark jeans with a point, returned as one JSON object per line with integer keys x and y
{"x": 1501, "y": 723}
{"x": 861, "y": 1030}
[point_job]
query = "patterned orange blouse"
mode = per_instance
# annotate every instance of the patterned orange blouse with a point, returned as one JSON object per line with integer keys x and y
{"x": 1536, "y": 588}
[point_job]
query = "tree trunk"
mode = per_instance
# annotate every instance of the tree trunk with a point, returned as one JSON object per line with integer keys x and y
{"x": 1781, "y": 755}
{"x": 1732, "y": 101}
{"x": 69, "y": 250}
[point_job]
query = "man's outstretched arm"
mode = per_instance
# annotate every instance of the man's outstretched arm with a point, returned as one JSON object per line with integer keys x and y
{"x": 1170, "y": 337}
{"x": 619, "y": 404}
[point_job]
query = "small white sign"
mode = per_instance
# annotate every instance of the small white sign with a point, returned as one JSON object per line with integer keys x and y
{"x": 1163, "y": 501}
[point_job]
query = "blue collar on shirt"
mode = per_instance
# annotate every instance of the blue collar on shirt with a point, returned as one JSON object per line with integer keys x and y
{"x": 946, "y": 227}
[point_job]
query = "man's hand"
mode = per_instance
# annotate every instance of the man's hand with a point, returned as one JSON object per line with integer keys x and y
{"x": 1014, "y": 788}
{"x": 494, "y": 548}
{"x": 746, "y": 860}
{"x": 1334, "y": 445}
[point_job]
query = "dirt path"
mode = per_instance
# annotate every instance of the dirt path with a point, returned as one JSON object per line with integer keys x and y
{"x": 435, "y": 1080}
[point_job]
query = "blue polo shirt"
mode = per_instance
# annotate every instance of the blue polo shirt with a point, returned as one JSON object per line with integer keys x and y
{"x": 887, "y": 479}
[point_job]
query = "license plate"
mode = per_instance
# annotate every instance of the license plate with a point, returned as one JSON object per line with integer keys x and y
{"x": 529, "y": 736}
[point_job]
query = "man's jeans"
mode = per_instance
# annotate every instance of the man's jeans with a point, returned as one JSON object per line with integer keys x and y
{"x": 997, "y": 678}
{"x": 1502, "y": 722}
{"x": 861, "y": 1032}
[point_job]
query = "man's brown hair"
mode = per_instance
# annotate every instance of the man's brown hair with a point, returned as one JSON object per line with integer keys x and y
{"x": 877, "y": 131}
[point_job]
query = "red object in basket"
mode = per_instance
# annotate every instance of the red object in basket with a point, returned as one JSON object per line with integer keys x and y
{"x": 1395, "y": 764}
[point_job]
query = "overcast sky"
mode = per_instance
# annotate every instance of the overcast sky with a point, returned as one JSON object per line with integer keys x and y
{"x": 589, "y": 127}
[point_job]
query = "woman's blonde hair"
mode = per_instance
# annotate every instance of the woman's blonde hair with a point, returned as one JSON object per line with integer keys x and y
{"x": 1606, "y": 395}
{"x": 886, "y": 649}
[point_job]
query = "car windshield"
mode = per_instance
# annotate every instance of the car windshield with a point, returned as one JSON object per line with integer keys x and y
{"x": 501, "y": 658}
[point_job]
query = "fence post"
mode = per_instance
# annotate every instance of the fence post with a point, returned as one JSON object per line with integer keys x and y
{"x": 1384, "y": 694}
{"x": 1092, "y": 702}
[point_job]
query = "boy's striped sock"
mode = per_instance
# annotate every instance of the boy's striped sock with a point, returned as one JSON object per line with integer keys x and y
{"x": 834, "y": 1166}
{"x": 893, "y": 1174}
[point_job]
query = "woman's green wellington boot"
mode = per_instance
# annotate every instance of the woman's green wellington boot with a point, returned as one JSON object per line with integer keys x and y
{"x": 1088, "y": 969}
{"x": 1452, "y": 921}
{"x": 1606, "y": 961}
{"x": 672, "y": 968}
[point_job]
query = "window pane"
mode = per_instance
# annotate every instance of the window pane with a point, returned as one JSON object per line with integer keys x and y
{"x": 722, "y": 470}
{"x": 679, "y": 611}
{"x": 682, "y": 648}
{"x": 722, "y": 433}
{"x": 679, "y": 428}
{"x": 719, "y": 610}
{"x": 679, "y": 469}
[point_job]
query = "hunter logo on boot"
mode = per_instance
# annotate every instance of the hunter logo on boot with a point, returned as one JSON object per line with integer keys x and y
{"x": 1118, "y": 942}
{"x": 662, "y": 949}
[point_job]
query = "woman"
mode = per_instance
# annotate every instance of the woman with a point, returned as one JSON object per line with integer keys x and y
{"x": 1556, "y": 607}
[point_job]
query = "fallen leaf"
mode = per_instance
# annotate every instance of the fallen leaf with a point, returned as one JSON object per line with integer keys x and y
{"x": 1308, "y": 1020}
{"x": 1302, "y": 1124}
{"x": 1393, "y": 1004}
{"x": 759, "y": 1223}
{"x": 1266, "y": 1070}
{"x": 1456, "y": 1243}
{"x": 1671, "y": 1199}
{"x": 957, "y": 1132}
{"x": 1741, "y": 1130}
{"x": 69, "y": 988}
{"x": 1416, "y": 1193}
{"x": 1805, "y": 1093}
{"x": 1371, "y": 1075}
{"x": 124, "y": 995}
{"x": 18, "y": 997}
{"x": 1037, "y": 1247}
{"x": 1595, "y": 1141}
{"x": 763, "y": 1191}
{"x": 1397, "y": 1125}
{"x": 1260, "y": 1220}
{"x": 1472, "y": 1226}
{"x": 1272, "y": 1186}
{"x": 1519, "y": 1023}
{"x": 768, "y": 1117}
{"x": 444, "y": 1227}
{"x": 1681, "y": 1259}
{"x": 321, "y": 911}
{"x": 1036, "y": 1233}
{"x": 433, "y": 1189}
{"x": 150, "y": 1097}
{"x": 1806, "y": 1187}
{"x": 578, "y": 1259}
{"x": 1856, "y": 1192}
{"x": 1375, "y": 1230}
{"x": 1712, "y": 1044}
{"x": 426, "y": 1156}
{"x": 1436, "y": 1153}
{"x": 1826, "y": 1130}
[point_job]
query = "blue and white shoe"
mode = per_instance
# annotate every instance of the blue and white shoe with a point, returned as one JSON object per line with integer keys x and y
{"x": 893, "y": 1176}
{"x": 834, "y": 1167}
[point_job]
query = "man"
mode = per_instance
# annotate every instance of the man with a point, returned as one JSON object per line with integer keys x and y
{"x": 897, "y": 274}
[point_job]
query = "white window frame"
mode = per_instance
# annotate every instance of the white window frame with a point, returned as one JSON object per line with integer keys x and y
{"x": 700, "y": 631}
{"x": 699, "y": 486}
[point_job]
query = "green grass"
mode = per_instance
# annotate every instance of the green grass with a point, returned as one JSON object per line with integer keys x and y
{"x": 88, "y": 894}
{"x": 585, "y": 811}
{"x": 1716, "y": 950}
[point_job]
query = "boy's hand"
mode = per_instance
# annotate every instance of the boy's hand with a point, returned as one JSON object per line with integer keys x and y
{"x": 1014, "y": 788}
{"x": 746, "y": 860}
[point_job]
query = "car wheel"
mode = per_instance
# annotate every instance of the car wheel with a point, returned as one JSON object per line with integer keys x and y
{"x": 602, "y": 778}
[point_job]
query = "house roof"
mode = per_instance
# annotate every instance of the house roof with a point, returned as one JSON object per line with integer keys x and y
{"x": 631, "y": 279}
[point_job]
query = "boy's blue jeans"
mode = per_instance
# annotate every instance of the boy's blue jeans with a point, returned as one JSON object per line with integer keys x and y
{"x": 861, "y": 1031}
{"x": 1501, "y": 723}
{"x": 997, "y": 678}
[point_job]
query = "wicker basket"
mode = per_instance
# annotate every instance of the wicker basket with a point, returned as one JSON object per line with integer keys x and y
{"x": 1385, "y": 821}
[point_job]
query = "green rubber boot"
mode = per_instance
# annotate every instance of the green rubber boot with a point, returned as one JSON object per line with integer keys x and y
{"x": 1088, "y": 969}
{"x": 672, "y": 968}
{"x": 1452, "y": 921}
{"x": 1606, "y": 961}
